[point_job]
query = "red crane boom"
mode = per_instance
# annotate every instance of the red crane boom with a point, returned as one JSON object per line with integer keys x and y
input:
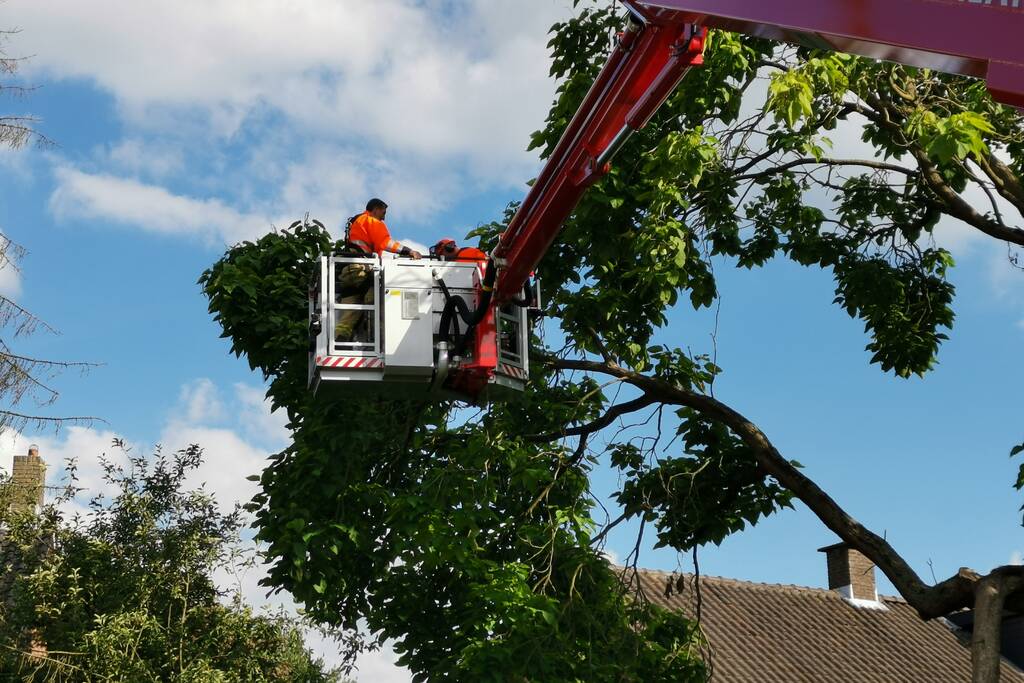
{"x": 979, "y": 38}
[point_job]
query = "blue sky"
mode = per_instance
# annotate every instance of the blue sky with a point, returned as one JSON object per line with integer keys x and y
{"x": 181, "y": 128}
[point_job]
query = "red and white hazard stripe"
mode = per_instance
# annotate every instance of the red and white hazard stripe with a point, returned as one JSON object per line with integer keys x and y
{"x": 513, "y": 371}
{"x": 349, "y": 362}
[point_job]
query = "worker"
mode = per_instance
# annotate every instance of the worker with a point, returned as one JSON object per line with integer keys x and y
{"x": 369, "y": 233}
{"x": 448, "y": 250}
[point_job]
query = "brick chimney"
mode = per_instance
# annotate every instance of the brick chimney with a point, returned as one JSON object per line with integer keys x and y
{"x": 27, "y": 478}
{"x": 850, "y": 573}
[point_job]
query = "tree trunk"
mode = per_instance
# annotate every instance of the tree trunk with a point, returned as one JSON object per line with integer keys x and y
{"x": 989, "y": 596}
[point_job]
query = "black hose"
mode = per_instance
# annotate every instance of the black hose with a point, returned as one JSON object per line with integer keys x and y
{"x": 452, "y": 306}
{"x": 455, "y": 305}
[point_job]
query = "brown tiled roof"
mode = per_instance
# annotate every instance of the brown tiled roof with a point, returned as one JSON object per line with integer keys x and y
{"x": 762, "y": 633}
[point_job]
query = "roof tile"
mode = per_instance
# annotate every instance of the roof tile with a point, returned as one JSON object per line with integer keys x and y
{"x": 770, "y": 633}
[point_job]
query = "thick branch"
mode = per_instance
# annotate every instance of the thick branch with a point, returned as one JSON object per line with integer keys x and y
{"x": 930, "y": 601}
{"x": 990, "y": 596}
{"x": 1006, "y": 182}
{"x": 951, "y": 201}
{"x": 958, "y": 207}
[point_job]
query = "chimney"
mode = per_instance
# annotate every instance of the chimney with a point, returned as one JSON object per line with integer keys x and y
{"x": 27, "y": 478}
{"x": 850, "y": 573}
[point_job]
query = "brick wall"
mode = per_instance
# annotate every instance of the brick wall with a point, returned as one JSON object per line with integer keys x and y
{"x": 28, "y": 475}
{"x": 848, "y": 567}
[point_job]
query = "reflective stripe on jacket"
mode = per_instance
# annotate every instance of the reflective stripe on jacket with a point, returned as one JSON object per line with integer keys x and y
{"x": 372, "y": 235}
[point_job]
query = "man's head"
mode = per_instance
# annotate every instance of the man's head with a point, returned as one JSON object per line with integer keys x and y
{"x": 377, "y": 208}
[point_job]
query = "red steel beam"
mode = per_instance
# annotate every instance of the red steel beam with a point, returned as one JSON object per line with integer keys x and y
{"x": 980, "y": 38}
{"x": 641, "y": 72}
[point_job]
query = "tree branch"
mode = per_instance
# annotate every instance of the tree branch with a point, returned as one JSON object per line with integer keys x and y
{"x": 958, "y": 207}
{"x": 867, "y": 163}
{"x": 930, "y": 601}
{"x": 1006, "y": 182}
{"x": 600, "y": 423}
{"x": 953, "y": 204}
{"x": 990, "y": 596}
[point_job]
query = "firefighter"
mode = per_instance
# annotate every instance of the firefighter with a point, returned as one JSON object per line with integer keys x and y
{"x": 369, "y": 233}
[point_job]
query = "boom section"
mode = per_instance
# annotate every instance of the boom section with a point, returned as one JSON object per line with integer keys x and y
{"x": 979, "y": 38}
{"x": 644, "y": 68}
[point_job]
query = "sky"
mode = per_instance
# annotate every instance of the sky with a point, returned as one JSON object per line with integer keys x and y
{"x": 182, "y": 128}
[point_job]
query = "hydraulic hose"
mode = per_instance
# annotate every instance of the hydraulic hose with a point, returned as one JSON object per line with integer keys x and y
{"x": 455, "y": 305}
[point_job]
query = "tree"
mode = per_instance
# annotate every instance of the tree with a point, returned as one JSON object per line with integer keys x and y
{"x": 26, "y": 379}
{"x": 127, "y": 592}
{"x": 16, "y": 131}
{"x": 23, "y": 378}
{"x": 410, "y": 515}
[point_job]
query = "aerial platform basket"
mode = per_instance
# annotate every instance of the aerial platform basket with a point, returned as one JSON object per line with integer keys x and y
{"x": 390, "y": 342}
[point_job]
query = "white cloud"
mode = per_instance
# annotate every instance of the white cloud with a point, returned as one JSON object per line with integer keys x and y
{"x": 414, "y": 245}
{"x": 435, "y": 78}
{"x": 1016, "y": 557}
{"x": 228, "y": 460}
{"x": 10, "y": 281}
{"x": 266, "y": 110}
{"x": 16, "y": 163}
{"x": 256, "y": 419}
{"x": 151, "y": 208}
{"x": 1006, "y": 279}
{"x": 142, "y": 156}
{"x": 335, "y": 182}
{"x": 331, "y": 184}
{"x": 200, "y": 402}
{"x": 380, "y": 667}
{"x": 237, "y": 436}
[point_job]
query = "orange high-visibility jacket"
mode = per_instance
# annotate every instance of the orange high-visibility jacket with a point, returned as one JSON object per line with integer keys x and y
{"x": 371, "y": 234}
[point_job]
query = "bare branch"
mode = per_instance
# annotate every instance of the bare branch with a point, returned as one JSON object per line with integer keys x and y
{"x": 11, "y": 419}
{"x": 600, "y": 423}
{"x": 804, "y": 161}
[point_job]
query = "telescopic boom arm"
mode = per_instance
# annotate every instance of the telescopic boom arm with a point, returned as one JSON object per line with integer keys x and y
{"x": 979, "y": 38}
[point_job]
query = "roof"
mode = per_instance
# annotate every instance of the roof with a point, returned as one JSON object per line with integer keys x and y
{"x": 769, "y": 633}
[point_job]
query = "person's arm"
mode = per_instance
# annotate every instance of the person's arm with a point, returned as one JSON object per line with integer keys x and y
{"x": 394, "y": 246}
